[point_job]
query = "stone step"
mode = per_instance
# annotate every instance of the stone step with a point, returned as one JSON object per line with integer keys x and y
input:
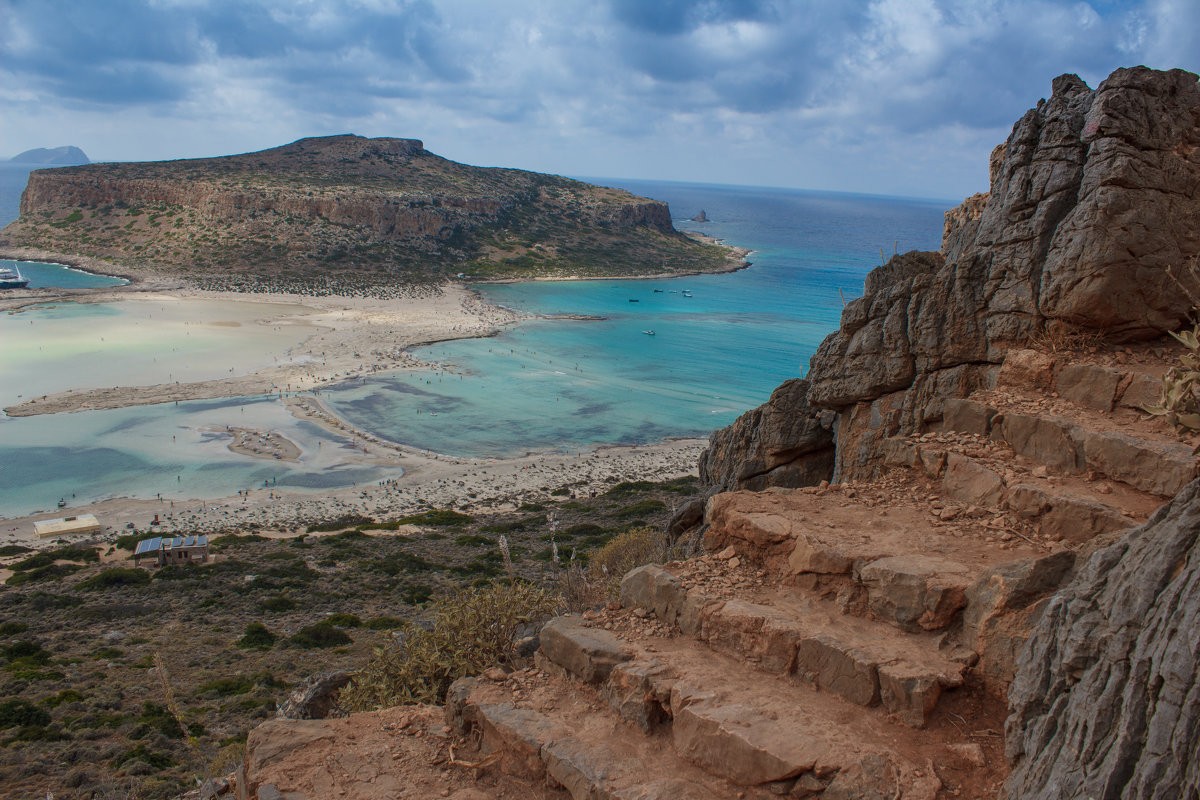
{"x": 1144, "y": 455}
{"x": 1063, "y": 507}
{"x": 806, "y": 638}
{"x": 672, "y": 707}
{"x": 1104, "y": 387}
{"x": 882, "y": 542}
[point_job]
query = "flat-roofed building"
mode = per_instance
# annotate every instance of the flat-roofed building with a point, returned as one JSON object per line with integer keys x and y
{"x": 82, "y": 524}
{"x": 173, "y": 550}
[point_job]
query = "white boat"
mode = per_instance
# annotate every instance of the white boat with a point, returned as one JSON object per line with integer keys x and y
{"x": 12, "y": 279}
{"x": 648, "y": 333}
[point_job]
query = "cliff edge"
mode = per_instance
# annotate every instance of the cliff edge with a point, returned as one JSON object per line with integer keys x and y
{"x": 345, "y": 210}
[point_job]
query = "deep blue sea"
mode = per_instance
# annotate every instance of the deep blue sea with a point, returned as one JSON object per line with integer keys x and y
{"x": 721, "y": 344}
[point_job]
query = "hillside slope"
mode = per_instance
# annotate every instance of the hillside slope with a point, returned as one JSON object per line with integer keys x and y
{"x": 349, "y": 211}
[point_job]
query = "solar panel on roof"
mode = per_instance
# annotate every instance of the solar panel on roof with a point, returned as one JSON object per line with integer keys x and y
{"x": 148, "y": 546}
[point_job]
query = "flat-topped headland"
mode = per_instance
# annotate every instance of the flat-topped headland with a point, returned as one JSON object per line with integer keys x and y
{"x": 349, "y": 215}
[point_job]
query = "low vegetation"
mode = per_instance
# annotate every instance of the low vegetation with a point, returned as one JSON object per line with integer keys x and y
{"x": 213, "y": 648}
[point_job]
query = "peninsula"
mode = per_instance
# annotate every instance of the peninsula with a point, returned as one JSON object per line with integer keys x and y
{"x": 347, "y": 214}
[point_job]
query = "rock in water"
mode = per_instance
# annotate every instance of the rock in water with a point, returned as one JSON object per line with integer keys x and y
{"x": 1106, "y": 702}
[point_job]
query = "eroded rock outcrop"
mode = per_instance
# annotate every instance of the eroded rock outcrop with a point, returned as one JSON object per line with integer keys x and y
{"x": 783, "y": 442}
{"x": 1092, "y": 199}
{"x": 1106, "y": 702}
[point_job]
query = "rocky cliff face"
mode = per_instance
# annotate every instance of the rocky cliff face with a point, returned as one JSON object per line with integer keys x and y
{"x": 1106, "y": 702}
{"x": 380, "y": 208}
{"x": 1092, "y": 200}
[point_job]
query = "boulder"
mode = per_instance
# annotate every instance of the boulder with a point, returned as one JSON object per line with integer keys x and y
{"x": 588, "y": 653}
{"x": 315, "y": 697}
{"x": 783, "y": 442}
{"x": 1106, "y": 701}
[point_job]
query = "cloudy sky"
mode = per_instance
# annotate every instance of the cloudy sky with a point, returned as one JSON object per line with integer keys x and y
{"x": 884, "y": 96}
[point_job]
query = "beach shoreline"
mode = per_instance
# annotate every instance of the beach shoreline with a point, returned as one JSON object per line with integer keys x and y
{"x": 352, "y": 336}
{"x": 430, "y": 480}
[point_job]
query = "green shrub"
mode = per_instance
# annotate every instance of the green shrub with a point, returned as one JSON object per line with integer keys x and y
{"x": 227, "y": 687}
{"x": 474, "y": 540}
{"x": 277, "y": 603}
{"x": 438, "y": 517}
{"x": 48, "y": 557}
{"x": 25, "y": 653}
{"x": 160, "y": 720}
{"x": 228, "y": 540}
{"x": 177, "y": 572}
{"x": 337, "y": 524}
{"x": 561, "y": 491}
{"x": 158, "y": 761}
{"x": 630, "y": 487}
{"x": 296, "y": 573}
{"x": 384, "y": 623}
{"x": 344, "y": 621}
{"x": 11, "y": 628}
{"x": 583, "y": 529}
{"x": 320, "y": 636}
{"x": 256, "y": 637}
{"x": 13, "y": 550}
{"x": 396, "y": 563}
{"x": 642, "y": 508}
{"x": 531, "y": 507}
{"x": 49, "y": 573}
{"x": 417, "y": 594}
{"x": 65, "y": 696}
{"x": 471, "y": 631}
{"x": 117, "y": 576}
{"x": 16, "y": 712}
{"x": 130, "y": 540}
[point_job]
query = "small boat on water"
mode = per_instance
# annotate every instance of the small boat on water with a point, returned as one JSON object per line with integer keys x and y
{"x": 686, "y": 293}
{"x": 648, "y": 333}
{"x": 634, "y": 300}
{"x": 12, "y": 279}
{"x": 658, "y": 291}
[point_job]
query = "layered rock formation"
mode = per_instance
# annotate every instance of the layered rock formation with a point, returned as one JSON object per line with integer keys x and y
{"x": 1092, "y": 200}
{"x": 375, "y": 208}
{"x": 1107, "y": 700}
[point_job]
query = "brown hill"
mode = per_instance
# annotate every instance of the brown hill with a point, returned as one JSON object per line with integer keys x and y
{"x": 348, "y": 210}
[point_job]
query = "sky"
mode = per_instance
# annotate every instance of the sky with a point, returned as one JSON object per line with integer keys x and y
{"x": 899, "y": 97}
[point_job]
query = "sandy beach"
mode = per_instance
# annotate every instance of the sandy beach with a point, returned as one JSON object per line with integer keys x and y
{"x": 429, "y": 481}
{"x": 337, "y": 339}
{"x": 348, "y": 337}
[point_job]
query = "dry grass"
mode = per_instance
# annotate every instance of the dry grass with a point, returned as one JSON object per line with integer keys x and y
{"x": 471, "y": 630}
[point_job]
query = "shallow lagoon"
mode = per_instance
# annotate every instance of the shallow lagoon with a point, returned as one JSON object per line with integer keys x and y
{"x": 561, "y": 384}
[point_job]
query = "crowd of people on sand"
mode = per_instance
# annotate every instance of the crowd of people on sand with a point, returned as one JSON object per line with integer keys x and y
{"x": 344, "y": 285}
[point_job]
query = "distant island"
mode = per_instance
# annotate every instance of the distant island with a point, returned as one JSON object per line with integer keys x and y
{"x": 701, "y": 217}
{"x": 347, "y": 211}
{"x": 65, "y": 156}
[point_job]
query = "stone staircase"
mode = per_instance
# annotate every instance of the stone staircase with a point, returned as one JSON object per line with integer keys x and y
{"x": 846, "y": 641}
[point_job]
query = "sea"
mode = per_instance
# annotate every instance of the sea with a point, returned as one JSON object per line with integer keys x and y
{"x": 651, "y": 360}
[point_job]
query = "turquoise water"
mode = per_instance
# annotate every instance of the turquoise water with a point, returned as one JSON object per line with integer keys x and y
{"x": 43, "y": 275}
{"x": 565, "y": 384}
{"x": 544, "y": 384}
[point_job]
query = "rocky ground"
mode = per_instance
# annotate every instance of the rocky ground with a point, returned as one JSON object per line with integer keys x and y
{"x": 98, "y": 665}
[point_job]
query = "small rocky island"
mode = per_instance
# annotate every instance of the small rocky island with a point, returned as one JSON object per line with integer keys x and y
{"x": 346, "y": 211}
{"x": 65, "y": 156}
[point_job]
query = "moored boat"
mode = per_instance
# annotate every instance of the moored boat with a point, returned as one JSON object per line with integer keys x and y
{"x": 12, "y": 279}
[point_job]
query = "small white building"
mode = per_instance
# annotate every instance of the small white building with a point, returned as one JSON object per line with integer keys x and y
{"x": 82, "y": 524}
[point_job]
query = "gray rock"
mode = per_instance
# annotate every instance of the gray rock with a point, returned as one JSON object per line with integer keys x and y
{"x": 1106, "y": 702}
{"x": 315, "y": 697}
{"x": 783, "y": 442}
